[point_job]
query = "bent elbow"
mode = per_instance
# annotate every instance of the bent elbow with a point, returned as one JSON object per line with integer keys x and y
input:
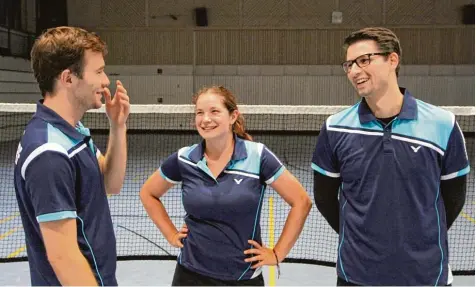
{"x": 308, "y": 204}
{"x": 144, "y": 194}
{"x": 304, "y": 203}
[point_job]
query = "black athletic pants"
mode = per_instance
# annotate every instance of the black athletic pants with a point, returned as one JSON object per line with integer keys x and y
{"x": 185, "y": 277}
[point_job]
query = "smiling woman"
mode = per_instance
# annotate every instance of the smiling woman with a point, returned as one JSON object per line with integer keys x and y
{"x": 220, "y": 101}
{"x": 223, "y": 182}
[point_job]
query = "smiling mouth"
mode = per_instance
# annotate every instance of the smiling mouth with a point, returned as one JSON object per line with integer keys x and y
{"x": 361, "y": 82}
{"x": 208, "y": 128}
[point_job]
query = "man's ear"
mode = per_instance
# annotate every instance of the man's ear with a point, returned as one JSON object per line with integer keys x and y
{"x": 66, "y": 78}
{"x": 394, "y": 59}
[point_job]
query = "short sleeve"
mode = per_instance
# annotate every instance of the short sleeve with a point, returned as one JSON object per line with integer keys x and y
{"x": 455, "y": 159}
{"x": 50, "y": 184}
{"x": 323, "y": 159}
{"x": 169, "y": 169}
{"x": 95, "y": 150}
{"x": 271, "y": 167}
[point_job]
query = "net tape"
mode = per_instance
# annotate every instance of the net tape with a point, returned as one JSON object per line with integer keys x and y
{"x": 158, "y": 130}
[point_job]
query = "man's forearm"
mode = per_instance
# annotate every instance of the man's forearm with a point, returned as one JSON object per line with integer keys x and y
{"x": 326, "y": 199}
{"x": 72, "y": 268}
{"x": 453, "y": 192}
{"x": 330, "y": 212}
{"x": 115, "y": 160}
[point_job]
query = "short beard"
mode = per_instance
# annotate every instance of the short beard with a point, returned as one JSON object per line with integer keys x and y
{"x": 80, "y": 103}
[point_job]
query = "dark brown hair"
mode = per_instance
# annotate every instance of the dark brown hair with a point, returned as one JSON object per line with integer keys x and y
{"x": 61, "y": 48}
{"x": 386, "y": 40}
{"x": 229, "y": 101}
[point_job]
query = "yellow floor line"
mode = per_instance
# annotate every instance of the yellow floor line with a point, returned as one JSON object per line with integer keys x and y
{"x": 137, "y": 178}
{"x": 468, "y": 217}
{"x": 272, "y": 269}
{"x": 9, "y": 218}
{"x": 9, "y": 232}
{"x": 16, "y": 252}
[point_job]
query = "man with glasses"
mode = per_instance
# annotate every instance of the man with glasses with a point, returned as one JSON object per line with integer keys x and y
{"x": 390, "y": 173}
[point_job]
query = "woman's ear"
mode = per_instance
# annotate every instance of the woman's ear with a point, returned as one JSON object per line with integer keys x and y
{"x": 234, "y": 116}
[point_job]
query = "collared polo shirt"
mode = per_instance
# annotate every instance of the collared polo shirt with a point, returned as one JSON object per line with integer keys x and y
{"x": 57, "y": 176}
{"x": 392, "y": 217}
{"x": 222, "y": 213}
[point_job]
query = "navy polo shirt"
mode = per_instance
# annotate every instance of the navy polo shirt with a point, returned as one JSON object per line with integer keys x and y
{"x": 392, "y": 218}
{"x": 57, "y": 176}
{"x": 222, "y": 213}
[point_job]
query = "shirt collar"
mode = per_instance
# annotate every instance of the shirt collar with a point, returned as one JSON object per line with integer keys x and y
{"x": 77, "y": 133}
{"x": 409, "y": 109}
{"x": 239, "y": 151}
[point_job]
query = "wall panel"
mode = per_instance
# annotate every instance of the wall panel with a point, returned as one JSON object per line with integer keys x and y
{"x": 421, "y": 46}
{"x": 264, "y": 13}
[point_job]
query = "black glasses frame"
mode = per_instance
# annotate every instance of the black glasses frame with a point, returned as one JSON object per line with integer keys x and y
{"x": 348, "y": 64}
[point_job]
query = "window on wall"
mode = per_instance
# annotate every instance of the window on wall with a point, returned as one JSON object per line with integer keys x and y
{"x": 10, "y": 14}
{"x": 16, "y": 15}
{"x": 3, "y": 12}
